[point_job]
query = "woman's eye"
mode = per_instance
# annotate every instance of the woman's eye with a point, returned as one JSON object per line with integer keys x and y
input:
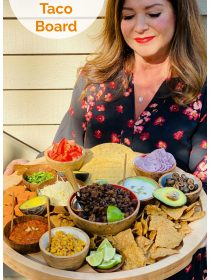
{"x": 155, "y": 15}
{"x": 127, "y": 17}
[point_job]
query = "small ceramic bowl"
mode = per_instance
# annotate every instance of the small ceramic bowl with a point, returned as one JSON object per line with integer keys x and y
{"x": 105, "y": 228}
{"x": 23, "y": 248}
{"x": 63, "y": 165}
{"x": 143, "y": 187}
{"x": 191, "y": 196}
{"x": 65, "y": 262}
{"x": 36, "y": 168}
{"x": 154, "y": 175}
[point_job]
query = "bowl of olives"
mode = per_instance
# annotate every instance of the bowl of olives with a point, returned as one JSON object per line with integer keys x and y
{"x": 189, "y": 184}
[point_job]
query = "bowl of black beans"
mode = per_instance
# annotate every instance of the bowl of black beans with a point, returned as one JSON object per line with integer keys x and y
{"x": 189, "y": 184}
{"x": 93, "y": 202}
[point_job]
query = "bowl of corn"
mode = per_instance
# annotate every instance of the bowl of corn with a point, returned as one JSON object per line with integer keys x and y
{"x": 68, "y": 248}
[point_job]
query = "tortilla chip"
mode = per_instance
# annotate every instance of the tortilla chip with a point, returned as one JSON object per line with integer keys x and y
{"x": 168, "y": 237}
{"x": 144, "y": 223}
{"x": 158, "y": 221}
{"x": 134, "y": 257}
{"x": 144, "y": 243}
{"x": 157, "y": 253}
{"x": 174, "y": 213}
{"x": 191, "y": 206}
{"x": 184, "y": 228}
{"x": 152, "y": 235}
{"x": 188, "y": 214}
{"x": 154, "y": 210}
{"x": 123, "y": 240}
{"x": 138, "y": 228}
{"x": 196, "y": 216}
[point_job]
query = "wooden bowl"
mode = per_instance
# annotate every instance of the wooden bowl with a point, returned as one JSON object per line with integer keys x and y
{"x": 113, "y": 269}
{"x": 65, "y": 262}
{"x": 153, "y": 175}
{"x": 63, "y": 165}
{"x": 103, "y": 228}
{"x": 23, "y": 248}
{"x": 192, "y": 196}
{"x": 36, "y": 168}
{"x": 142, "y": 186}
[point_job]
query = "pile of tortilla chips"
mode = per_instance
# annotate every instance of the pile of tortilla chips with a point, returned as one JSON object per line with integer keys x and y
{"x": 157, "y": 233}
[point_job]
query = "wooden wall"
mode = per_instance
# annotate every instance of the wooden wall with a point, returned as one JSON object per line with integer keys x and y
{"x": 39, "y": 75}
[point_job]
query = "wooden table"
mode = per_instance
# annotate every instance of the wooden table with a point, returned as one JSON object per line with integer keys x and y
{"x": 33, "y": 266}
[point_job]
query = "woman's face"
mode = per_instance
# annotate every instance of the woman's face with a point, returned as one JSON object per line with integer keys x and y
{"x": 148, "y": 27}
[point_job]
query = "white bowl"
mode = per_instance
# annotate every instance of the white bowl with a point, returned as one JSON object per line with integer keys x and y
{"x": 65, "y": 262}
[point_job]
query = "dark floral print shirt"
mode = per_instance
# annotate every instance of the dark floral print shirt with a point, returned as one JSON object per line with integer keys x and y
{"x": 101, "y": 118}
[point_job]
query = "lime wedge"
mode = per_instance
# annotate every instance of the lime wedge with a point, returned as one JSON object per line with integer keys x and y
{"x": 105, "y": 243}
{"x": 114, "y": 214}
{"x": 109, "y": 253}
{"x": 95, "y": 259}
{"x": 107, "y": 265}
{"x": 117, "y": 258}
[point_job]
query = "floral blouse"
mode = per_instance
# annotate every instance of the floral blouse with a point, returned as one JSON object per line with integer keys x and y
{"x": 100, "y": 117}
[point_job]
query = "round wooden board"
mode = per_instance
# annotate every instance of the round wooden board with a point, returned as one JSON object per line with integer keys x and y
{"x": 33, "y": 266}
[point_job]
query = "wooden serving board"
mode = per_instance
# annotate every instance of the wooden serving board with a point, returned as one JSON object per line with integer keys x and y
{"x": 33, "y": 266}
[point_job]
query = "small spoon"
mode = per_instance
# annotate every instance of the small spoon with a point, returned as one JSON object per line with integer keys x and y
{"x": 13, "y": 207}
{"x": 49, "y": 225}
{"x": 76, "y": 207}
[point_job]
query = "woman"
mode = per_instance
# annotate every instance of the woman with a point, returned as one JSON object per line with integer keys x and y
{"x": 146, "y": 89}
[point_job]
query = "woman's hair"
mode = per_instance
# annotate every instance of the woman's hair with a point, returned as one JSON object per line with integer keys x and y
{"x": 187, "y": 51}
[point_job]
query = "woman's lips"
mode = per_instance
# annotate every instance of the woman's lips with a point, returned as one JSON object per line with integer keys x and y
{"x": 144, "y": 40}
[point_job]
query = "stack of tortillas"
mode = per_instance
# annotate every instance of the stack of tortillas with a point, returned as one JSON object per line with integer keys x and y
{"x": 106, "y": 162}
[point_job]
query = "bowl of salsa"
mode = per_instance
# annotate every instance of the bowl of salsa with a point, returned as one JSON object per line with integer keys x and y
{"x": 25, "y": 234}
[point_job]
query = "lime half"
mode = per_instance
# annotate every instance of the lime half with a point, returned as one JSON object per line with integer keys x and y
{"x": 95, "y": 259}
{"x": 109, "y": 253}
{"x": 114, "y": 214}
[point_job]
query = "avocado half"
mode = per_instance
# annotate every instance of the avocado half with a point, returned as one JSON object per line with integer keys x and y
{"x": 170, "y": 196}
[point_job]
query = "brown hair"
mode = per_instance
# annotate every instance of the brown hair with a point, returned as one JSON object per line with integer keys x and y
{"x": 187, "y": 52}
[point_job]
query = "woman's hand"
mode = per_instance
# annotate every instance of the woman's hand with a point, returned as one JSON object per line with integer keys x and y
{"x": 10, "y": 167}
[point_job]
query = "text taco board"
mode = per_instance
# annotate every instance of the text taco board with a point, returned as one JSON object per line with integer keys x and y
{"x": 106, "y": 162}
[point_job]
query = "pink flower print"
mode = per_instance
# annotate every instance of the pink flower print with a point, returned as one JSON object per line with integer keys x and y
{"x": 84, "y": 126}
{"x": 119, "y": 109}
{"x": 88, "y": 116}
{"x": 99, "y": 94}
{"x": 71, "y": 111}
{"x": 154, "y": 105}
{"x": 127, "y": 141}
{"x": 139, "y": 121}
{"x": 97, "y": 134}
{"x": 138, "y": 129}
{"x": 100, "y": 108}
{"x": 188, "y": 268}
{"x": 159, "y": 121}
{"x": 100, "y": 118}
{"x": 126, "y": 93}
{"x": 115, "y": 138}
{"x": 145, "y": 136}
{"x": 73, "y": 134}
{"x": 146, "y": 114}
{"x": 179, "y": 86}
{"x": 146, "y": 119}
{"x": 197, "y": 105}
{"x": 112, "y": 85}
{"x": 192, "y": 114}
{"x": 178, "y": 135}
{"x": 84, "y": 104}
{"x": 131, "y": 123}
{"x": 108, "y": 97}
{"x": 203, "y": 144}
{"x": 174, "y": 108}
{"x": 161, "y": 144}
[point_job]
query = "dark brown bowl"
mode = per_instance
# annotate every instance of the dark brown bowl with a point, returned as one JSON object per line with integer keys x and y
{"x": 36, "y": 168}
{"x": 23, "y": 248}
